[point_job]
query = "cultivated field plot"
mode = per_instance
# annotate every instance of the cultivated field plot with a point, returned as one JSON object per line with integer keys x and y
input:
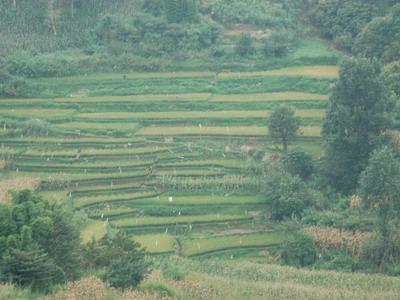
{"x": 174, "y": 159}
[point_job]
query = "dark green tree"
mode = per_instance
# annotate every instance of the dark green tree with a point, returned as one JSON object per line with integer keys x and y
{"x": 124, "y": 260}
{"x": 380, "y": 192}
{"x": 39, "y": 246}
{"x": 245, "y": 45}
{"x": 355, "y": 121}
{"x": 297, "y": 162}
{"x": 283, "y": 126}
{"x": 287, "y": 195}
{"x": 299, "y": 250}
{"x": 178, "y": 11}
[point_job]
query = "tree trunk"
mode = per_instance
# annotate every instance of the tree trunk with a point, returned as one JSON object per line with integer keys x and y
{"x": 15, "y": 4}
{"x": 72, "y": 8}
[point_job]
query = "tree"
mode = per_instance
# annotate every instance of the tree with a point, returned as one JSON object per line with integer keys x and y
{"x": 297, "y": 162}
{"x": 380, "y": 192}
{"x": 38, "y": 244}
{"x": 283, "y": 126}
{"x": 123, "y": 259}
{"x": 355, "y": 120}
{"x": 286, "y": 194}
{"x": 178, "y": 11}
{"x": 245, "y": 45}
{"x": 299, "y": 250}
{"x": 380, "y": 37}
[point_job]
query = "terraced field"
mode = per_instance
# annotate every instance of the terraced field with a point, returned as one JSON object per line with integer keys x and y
{"x": 172, "y": 158}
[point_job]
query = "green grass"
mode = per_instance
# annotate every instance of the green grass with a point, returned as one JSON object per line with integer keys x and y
{"x": 159, "y": 221}
{"x": 226, "y": 163}
{"x": 193, "y": 247}
{"x": 202, "y": 200}
{"x": 107, "y": 199}
{"x": 156, "y": 243}
{"x": 96, "y": 229}
{"x": 116, "y": 151}
{"x": 109, "y": 212}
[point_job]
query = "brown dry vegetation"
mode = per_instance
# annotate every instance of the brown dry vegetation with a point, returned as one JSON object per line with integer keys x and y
{"x": 16, "y": 184}
{"x": 332, "y": 238}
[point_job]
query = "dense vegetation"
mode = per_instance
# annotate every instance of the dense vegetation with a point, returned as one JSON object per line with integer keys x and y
{"x": 161, "y": 133}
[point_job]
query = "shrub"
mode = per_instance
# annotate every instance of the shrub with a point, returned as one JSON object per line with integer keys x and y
{"x": 11, "y": 86}
{"x": 278, "y": 44}
{"x": 299, "y": 250}
{"x": 288, "y": 195}
{"x": 297, "y": 162}
{"x": 245, "y": 45}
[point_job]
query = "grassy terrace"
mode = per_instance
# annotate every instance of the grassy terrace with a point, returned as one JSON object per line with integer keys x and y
{"x": 160, "y": 221}
{"x": 310, "y": 113}
{"x": 156, "y": 243}
{"x": 192, "y": 247}
{"x": 201, "y": 200}
{"x": 151, "y": 152}
{"x": 84, "y": 202}
{"x": 308, "y": 131}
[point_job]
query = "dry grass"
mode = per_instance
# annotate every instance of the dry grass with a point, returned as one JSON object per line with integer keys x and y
{"x": 138, "y": 98}
{"x": 224, "y": 114}
{"x": 339, "y": 239}
{"x": 87, "y": 288}
{"x": 142, "y": 295}
{"x": 204, "y": 130}
{"x": 308, "y": 71}
{"x": 309, "y": 131}
{"x": 16, "y": 184}
{"x": 267, "y": 97}
{"x": 37, "y": 112}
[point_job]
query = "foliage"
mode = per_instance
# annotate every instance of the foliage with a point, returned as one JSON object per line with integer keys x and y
{"x": 286, "y": 194}
{"x": 278, "y": 43}
{"x": 380, "y": 38}
{"x": 298, "y": 162}
{"x": 380, "y": 191}
{"x": 263, "y": 13}
{"x": 299, "y": 250}
{"x": 178, "y": 11}
{"x": 391, "y": 77}
{"x": 342, "y": 20}
{"x": 245, "y": 45}
{"x": 11, "y": 86}
{"x": 355, "y": 121}
{"x": 123, "y": 259}
{"x": 283, "y": 126}
{"x": 39, "y": 246}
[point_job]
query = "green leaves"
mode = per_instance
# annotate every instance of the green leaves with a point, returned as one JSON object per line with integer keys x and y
{"x": 355, "y": 121}
{"x": 283, "y": 126}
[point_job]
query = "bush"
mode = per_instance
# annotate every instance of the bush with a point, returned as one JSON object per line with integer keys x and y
{"x": 245, "y": 45}
{"x": 11, "y": 86}
{"x": 278, "y": 44}
{"x": 297, "y": 162}
{"x": 173, "y": 272}
{"x": 288, "y": 195}
{"x": 299, "y": 250}
{"x": 124, "y": 260}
